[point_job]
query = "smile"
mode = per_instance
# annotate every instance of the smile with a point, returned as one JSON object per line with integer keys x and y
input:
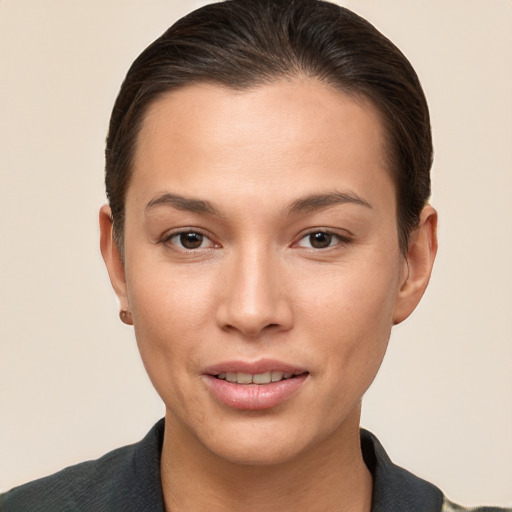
{"x": 258, "y": 385}
{"x": 258, "y": 378}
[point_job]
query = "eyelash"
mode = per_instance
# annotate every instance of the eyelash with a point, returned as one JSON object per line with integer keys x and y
{"x": 339, "y": 240}
{"x": 167, "y": 240}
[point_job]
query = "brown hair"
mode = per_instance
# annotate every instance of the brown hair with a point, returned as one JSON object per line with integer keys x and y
{"x": 246, "y": 43}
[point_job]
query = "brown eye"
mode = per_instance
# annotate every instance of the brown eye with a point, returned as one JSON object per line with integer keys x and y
{"x": 320, "y": 240}
{"x": 190, "y": 240}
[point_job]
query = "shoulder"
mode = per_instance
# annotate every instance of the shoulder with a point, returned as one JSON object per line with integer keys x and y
{"x": 72, "y": 488}
{"x": 125, "y": 479}
{"x": 396, "y": 489}
{"x": 449, "y": 506}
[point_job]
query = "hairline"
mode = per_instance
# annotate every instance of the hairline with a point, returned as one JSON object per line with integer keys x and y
{"x": 359, "y": 95}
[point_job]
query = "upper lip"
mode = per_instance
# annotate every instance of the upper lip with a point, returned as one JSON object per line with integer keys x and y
{"x": 254, "y": 367}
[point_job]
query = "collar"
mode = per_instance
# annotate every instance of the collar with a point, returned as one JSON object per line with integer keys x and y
{"x": 394, "y": 488}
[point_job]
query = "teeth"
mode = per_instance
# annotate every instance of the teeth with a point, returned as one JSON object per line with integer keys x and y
{"x": 262, "y": 378}
{"x": 259, "y": 378}
{"x": 276, "y": 376}
{"x": 244, "y": 378}
{"x": 231, "y": 377}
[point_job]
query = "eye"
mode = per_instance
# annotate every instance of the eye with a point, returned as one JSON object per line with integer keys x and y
{"x": 321, "y": 240}
{"x": 190, "y": 240}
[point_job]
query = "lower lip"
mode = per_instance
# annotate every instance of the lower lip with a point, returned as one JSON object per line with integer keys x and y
{"x": 254, "y": 397}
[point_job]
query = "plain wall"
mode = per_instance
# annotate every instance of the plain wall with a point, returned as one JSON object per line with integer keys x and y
{"x": 71, "y": 383}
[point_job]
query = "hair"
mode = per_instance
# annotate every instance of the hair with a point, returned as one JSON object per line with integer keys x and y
{"x": 243, "y": 44}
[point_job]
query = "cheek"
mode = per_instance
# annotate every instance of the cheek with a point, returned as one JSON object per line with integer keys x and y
{"x": 359, "y": 293}
{"x": 163, "y": 296}
{"x": 349, "y": 311}
{"x": 352, "y": 345}
{"x": 171, "y": 311}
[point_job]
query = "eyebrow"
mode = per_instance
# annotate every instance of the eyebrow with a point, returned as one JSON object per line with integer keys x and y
{"x": 309, "y": 203}
{"x": 188, "y": 204}
{"x": 316, "y": 202}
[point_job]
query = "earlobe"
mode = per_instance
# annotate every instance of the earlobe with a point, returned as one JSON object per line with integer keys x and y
{"x": 112, "y": 257}
{"x": 418, "y": 264}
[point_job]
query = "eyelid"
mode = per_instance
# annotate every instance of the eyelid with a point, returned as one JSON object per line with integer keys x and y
{"x": 169, "y": 235}
{"x": 343, "y": 239}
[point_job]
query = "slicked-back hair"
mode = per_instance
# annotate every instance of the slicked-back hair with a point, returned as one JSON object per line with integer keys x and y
{"x": 243, "y": 44}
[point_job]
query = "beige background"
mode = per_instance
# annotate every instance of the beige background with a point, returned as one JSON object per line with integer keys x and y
{"x": 71, "y": 384}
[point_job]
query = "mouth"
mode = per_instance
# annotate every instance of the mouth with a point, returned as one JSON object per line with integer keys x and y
{"x": 267, "y": 377}
{"x": 264, "y": 384}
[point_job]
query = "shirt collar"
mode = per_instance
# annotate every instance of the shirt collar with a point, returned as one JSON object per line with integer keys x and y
{"x": 394, "y": 488}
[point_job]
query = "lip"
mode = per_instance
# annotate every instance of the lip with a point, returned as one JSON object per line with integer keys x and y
{"x": 254, "y": 397}
{"x": 253, "y": 367}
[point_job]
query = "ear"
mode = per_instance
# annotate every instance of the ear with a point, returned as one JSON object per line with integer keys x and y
{"x": 112, "y": 257}
{"x": 418, "y": 263}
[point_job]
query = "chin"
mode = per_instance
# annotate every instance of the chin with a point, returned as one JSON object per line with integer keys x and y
{"x": 261, "y": 442}
{"x": 259, "y": 452}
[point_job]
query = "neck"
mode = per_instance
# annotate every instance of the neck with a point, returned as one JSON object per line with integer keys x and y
{"x": 330, "y": 476}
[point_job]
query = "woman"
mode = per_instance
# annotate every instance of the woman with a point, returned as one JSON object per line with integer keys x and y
{"x": 267, "y": 170}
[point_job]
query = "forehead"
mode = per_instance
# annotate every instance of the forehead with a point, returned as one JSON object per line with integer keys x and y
{"x": 287, "y": 136}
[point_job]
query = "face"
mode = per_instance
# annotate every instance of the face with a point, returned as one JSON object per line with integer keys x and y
{"x": 262, "y": 265}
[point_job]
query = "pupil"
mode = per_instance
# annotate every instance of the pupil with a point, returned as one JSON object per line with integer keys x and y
{"x": 191, "y": 240}
{"x": 320, "y": 240}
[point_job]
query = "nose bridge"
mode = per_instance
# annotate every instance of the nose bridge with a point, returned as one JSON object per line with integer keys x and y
{"x": 254, "y": 298}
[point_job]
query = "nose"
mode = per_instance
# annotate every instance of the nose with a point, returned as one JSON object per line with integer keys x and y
{"x": 254, "y": 299}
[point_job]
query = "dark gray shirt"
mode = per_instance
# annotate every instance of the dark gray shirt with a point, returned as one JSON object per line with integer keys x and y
{"x": 128, "y": 480}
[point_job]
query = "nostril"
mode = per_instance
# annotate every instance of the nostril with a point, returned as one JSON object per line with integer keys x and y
{"x": 252, "y": 320}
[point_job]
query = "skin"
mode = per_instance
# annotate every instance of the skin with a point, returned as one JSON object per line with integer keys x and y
{"x": 256, "y": 288}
